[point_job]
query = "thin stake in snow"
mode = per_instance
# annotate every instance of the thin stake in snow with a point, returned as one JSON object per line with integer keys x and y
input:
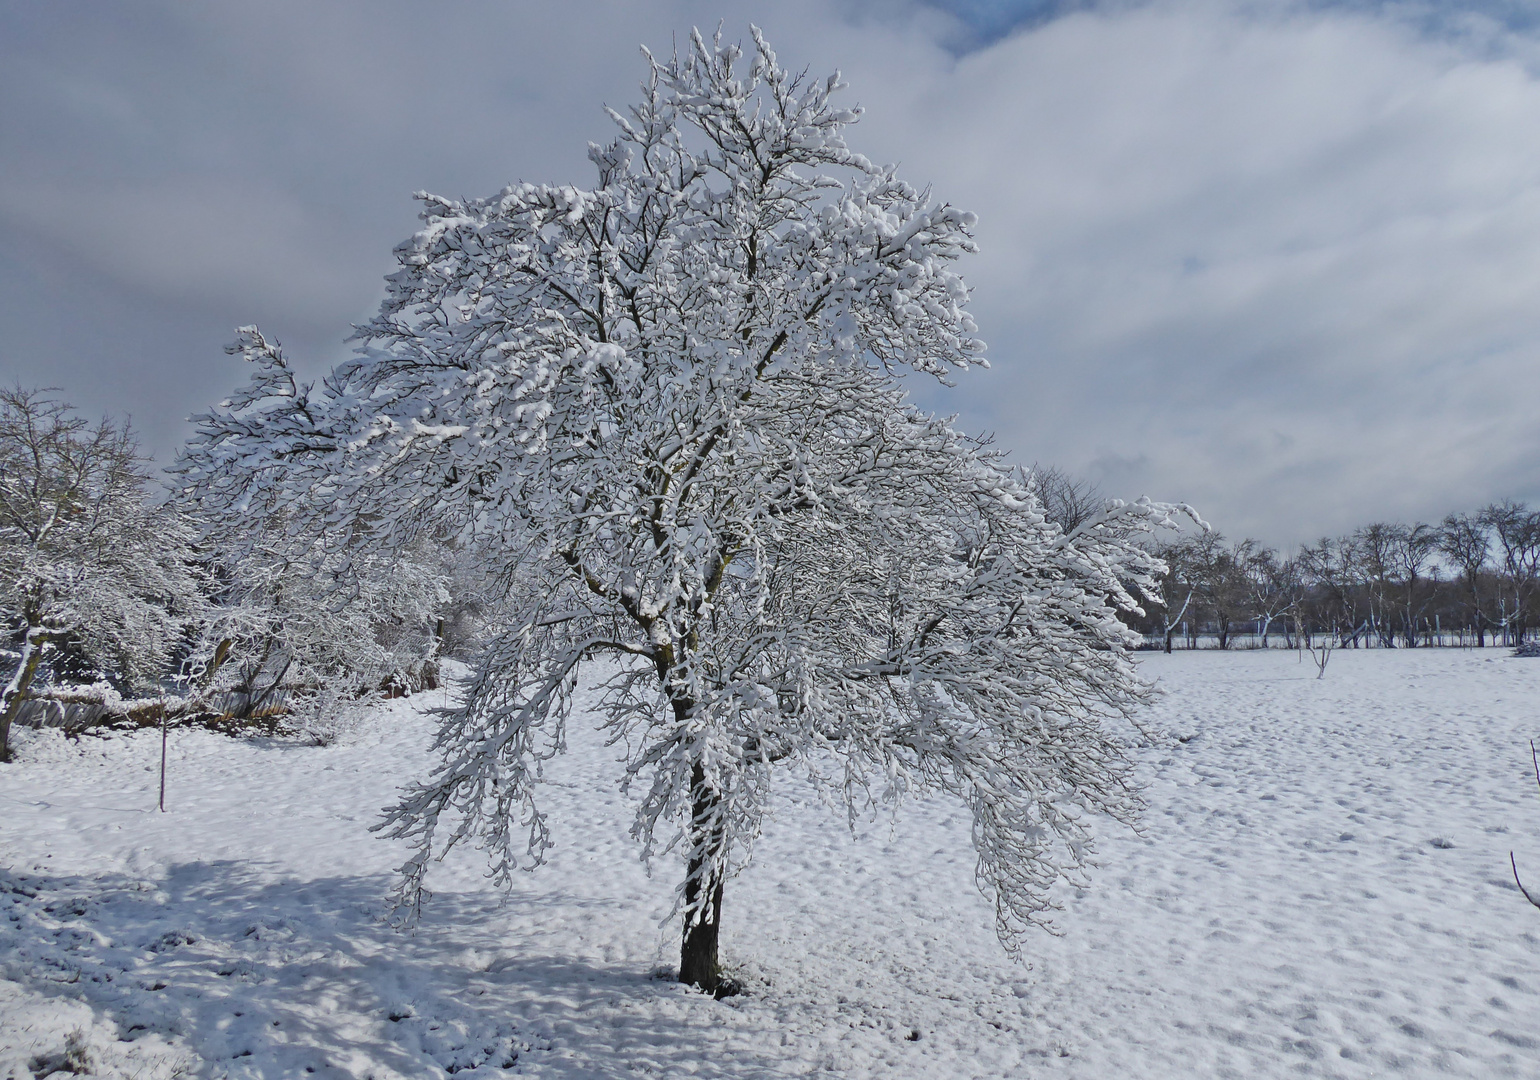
{"x": 163, "y": 722}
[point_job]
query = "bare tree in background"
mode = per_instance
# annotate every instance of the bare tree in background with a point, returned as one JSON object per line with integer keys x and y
{"x": 1068, "y": 501}
{"x": 1333, "y": 573}
{"x": 1466, "y": 541}
{"x": 1373, "y": 557}
{"x": 1177, "y": 589}
{"x": 1275, "y": 587}
{"x": 1517, "y": 532}
{"x": 1223, "y": 585}
{"x": 1414, "y": 573}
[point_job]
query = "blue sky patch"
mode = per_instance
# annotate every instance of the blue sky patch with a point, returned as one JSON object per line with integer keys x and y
{"x": 990, "y": 20}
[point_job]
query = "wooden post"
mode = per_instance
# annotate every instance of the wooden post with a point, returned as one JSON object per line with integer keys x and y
{"x": 163, "y": 755}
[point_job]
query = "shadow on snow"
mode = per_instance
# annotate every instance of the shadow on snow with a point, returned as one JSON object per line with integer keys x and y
{"x": 286, "y": 978}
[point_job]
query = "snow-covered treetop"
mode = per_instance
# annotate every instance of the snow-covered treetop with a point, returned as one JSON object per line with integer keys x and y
{"x": 244, "y": 454}
{"x": 732, "y": 237}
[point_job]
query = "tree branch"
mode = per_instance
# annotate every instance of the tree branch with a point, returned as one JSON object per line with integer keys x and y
{"x": 1514, "y": 863}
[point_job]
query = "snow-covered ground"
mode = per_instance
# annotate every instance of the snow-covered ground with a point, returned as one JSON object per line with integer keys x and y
{"x": 1322, "y": 889}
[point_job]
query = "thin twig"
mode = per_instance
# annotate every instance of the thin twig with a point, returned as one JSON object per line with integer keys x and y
{"x": 1515, "y": 864}
{"x": 1534, "y": 756}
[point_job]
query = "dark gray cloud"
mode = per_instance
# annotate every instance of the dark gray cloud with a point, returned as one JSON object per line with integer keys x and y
{"x": 1277, "y": 259}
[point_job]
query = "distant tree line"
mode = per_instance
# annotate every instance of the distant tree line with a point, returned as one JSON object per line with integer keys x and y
{"x": 1471, "y": 579}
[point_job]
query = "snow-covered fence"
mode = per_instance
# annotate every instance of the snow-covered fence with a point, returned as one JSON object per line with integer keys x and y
{"x": 77, "y": 709}
{"x": 75, "y": 713}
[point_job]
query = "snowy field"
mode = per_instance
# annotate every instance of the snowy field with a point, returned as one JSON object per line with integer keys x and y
{"x": 1322, "y": 889}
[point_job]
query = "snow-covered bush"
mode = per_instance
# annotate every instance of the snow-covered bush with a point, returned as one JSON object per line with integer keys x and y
{"x": 300, "y": 614}
{"x": 666, "y": 410}
{"x": 303, "y": 621}
{"x": 87, "y": 563}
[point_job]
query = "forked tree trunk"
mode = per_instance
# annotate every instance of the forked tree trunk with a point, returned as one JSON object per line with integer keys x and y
{"x": 21, "y": 682}
{"x": 698, "y": 963}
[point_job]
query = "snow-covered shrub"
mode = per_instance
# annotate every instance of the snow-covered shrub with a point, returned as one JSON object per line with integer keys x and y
{"x": 301, "y": 614}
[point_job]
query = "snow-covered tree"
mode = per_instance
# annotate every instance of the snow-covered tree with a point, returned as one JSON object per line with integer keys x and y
{"x": 293, "y": 611}
{"x": 324, "y": 626}
{"x": 666, "y": 408}
{"x": 86, "y": 560}
{"x": 1274, "y": 586}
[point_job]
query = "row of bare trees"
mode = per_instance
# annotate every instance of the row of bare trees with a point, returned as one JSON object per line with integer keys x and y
{"x": 1471, "y": 579}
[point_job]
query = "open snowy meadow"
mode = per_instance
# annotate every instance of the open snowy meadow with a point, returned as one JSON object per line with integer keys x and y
{"x": 1321, "y": 888}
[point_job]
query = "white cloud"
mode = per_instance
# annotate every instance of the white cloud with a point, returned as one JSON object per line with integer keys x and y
{"x": 1283, "y": 266}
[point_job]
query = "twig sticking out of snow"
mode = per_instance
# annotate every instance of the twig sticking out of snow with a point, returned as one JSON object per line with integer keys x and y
{"x": 1515, "y": 864}
{"x": 1321, "y": 656}
{"x": 1534, "y": 756}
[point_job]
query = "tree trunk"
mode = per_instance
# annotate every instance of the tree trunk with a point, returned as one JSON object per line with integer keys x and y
{"x": 21, "y": 682}
{"x": 698, "y": 958}
{"x": 698, "y": 964}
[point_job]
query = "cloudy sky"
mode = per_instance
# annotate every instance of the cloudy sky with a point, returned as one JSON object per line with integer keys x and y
{"x": 1277, "y": 258}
